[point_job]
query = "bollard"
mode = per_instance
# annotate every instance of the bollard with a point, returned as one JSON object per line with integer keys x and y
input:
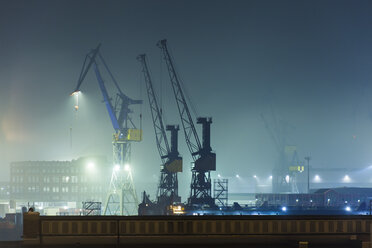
{"x": 31, "y": 228}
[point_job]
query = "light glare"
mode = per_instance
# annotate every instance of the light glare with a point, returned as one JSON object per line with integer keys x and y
{"x": 90, "y": 165}
{"x": 317, "y": 178}
{"x": 287, "y": 178}
{"x": 75, "y": 93}
{"x": 346, "y": 179}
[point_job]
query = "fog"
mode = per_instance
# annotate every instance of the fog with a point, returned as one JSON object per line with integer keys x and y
{"x": 308, "y": 61}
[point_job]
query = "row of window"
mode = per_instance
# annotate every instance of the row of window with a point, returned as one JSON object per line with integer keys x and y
{"x": 37, "y": 170}
{"x": 49, "y": 179}
{"x": 73, "y": 189}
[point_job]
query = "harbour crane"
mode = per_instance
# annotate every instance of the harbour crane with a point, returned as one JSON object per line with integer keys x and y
{"x": 122, "y": 197}
{"x": 287, "y": 168}
{"x": 167, "y": 193}
{"x": 203, "y": 157}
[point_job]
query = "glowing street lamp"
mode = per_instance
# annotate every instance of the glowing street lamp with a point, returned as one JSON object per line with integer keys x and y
{"x": 317, "y": 178}
{"x": 127, "y": 167}
{"x": 287, "y": 178}
{"x": 346, "y": 179}
{"x": 117, "y": 167}
{"x": 90, "y": 165}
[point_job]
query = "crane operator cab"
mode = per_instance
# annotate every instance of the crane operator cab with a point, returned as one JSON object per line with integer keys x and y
{"x": 129, "y": 134}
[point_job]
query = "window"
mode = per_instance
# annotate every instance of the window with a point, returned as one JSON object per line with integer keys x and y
{"x": 74, "y": 179}
{"x": 74, "y": 189}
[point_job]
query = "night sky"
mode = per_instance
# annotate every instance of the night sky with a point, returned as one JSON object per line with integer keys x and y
{"x": 310, "y": 60}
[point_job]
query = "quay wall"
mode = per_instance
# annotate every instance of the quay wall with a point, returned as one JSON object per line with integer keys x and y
{"x": 125, "y": 230}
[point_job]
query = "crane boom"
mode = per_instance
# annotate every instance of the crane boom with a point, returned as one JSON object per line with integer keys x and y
{"x": 91, "y": 56}
{"x": 160, "y": 134}
{"x": 106, "y": 98}
{"x": 192, "y": 139}
{"x": 118, "y": 115}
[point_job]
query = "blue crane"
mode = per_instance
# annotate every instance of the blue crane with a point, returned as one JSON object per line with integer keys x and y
{"x": 125, "y": 133}
{"x": 118, "y": 114}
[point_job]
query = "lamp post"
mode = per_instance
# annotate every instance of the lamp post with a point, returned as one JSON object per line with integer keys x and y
{"x": 308, "y": 173}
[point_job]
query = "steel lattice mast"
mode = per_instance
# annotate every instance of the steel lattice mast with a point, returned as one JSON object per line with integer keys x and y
{"x": 171, "y": 161}
{"x": 204, "y": 158}
{"x": 122, "y": 198}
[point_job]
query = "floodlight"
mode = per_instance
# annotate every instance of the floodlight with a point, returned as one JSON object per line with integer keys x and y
{"x": 90, "y": 165}
{"x": 75, "y": 93}
{"x": 346, "y": 179}
{"x": 317, "y": 178}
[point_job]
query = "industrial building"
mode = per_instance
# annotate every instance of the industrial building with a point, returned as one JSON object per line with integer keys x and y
{"x": 327, "y": 197}
{"x": 55, "y": 183}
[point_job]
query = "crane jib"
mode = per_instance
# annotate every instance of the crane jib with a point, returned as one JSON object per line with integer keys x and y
{"x": 86, "y": 69}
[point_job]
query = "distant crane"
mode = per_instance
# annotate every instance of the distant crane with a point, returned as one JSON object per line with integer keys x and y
{"x": 283, "y": 178}
{"x": 122, "y": 197}
{"x": 167, "y": 192}
{"x": 204, "y": 158}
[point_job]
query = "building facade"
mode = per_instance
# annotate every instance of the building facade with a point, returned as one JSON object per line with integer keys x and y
{"x": 84, "y": 179}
